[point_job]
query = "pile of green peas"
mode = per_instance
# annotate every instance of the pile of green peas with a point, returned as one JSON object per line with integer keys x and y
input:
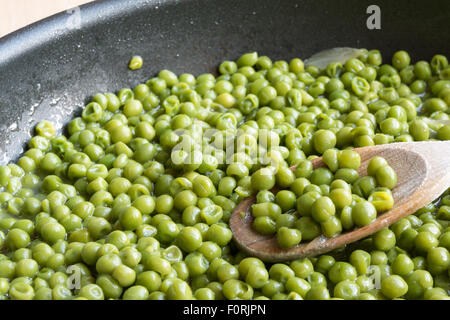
{"x": 115, "y": 210}
{"x": 326, "y": 200}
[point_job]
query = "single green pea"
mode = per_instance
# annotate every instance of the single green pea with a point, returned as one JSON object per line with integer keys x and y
{"x": 323, "y": 209}
{"x": 382, "y": 200}
{"x": 130, "y": 218}
{"x": 257, "y": 277}
{"x": 403, "y": 265}
{"x": 304, "y": 169}
{"x": 26, "y": 268}
{"x": 124, "y": 275}
{"x": 419, "y": 282}
{"x": 203, "y": 186}
{"x": 91, "y": 292}
{"x": 264, "y": 225}
{"x": 401, "y": 59}
{"x": 363, "y": 213}
{"x": 135, "y": 63}
{"x": 361, "y": 260}
{"x": 263, "y": 179}
{"x": 321, "y": 176}
{"x": 285, "y": 177}
{"x": 21, "y": 291}
{"x": 386, "y": 177}
{"x": 438, "y": 260}
{"x": 323, "y": 140}
{"x": 16, "y": 239}
{"x": 107, "y": 263}
{"x": 288, "y": 238}
{"x": 189, "y": 239}
{"x": 237, "y": 289}
{"x": 318, "y": 292}
{"x": 341, "y": 271}
{"x": 248, "y": 59}
{"x": 384, "y": 240}
{"x": 136, "y": 293}
{"x": 394, "y": 287}
{"x": 347, "y": 290}
{"x": 309, "y": 228}
{"x": 341, "y": 197}
{"x": 196, "y": 263}
{"x": 331, "y": 227}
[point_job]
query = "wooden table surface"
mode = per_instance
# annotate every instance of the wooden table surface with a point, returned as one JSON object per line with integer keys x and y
{"x": 15, "y": 14}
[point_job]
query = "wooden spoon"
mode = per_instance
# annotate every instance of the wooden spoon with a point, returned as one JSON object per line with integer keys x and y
{"x": 423, "y": 171}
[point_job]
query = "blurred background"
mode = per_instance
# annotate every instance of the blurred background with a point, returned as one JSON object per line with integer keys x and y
{"x": 15, "y": 14}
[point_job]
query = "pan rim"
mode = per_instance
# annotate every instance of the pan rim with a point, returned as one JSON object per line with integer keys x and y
{"x": 49, "y": 29}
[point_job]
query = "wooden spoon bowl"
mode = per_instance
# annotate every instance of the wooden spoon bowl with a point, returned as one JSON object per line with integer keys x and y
{"x": 423, "y": 173}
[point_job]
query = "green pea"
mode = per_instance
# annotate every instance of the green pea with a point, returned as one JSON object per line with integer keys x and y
{"x": 269, "y": 209}
{"x": 401, "y": 59}
{"x": 26, "y": 268}
{"x": 189, "y": 239}
{"x": 164, "y": 204}
{"x": 248, "y": 59}
{"x": 384, "y": 240}
{"x": 363, "y": 213}
{"x": 321, "y": 176}
{"x": 288, "y": 238}
{"x": 285, "y": 177}
{"x": 211, "y": 214}
{"x": 263, "y": 179}
{"x": 286, "y": 200}
{"x": 382, "y": 200}
{"x": 419, "y": 282}
{"x": 92, "y": 292}
{"x": 341, "y": 271}
{"x": 331, "y": 227}
{"x": 318, "y": 292}
{"x": 237, "y": 289}
{"x": 136, "y": 293}
{"x": 203, "y": 186}
{"x": 135, "y": 63}
{"x": 386, "y": 177}
{"x": 257, "y": 277}
{"x": 322, "y": 209}
{"x": 347, "y": 290}
{"x": 361, "y": 260}
{"x": 308, "y": 228}
{"x": 196, "y": 263}
{"x": 438, "y": 260}
{"x": 124, "y": 275}
{"x": 304, "y": 169}
{"x": 340, "y": 197}
{"x": 264, "y": 225}
{"x": 16, "y": 239}
{"x": 323, "y": 140}
{"x": 402, "y": 265}
{"x": 21, "y": 291}
{"x": 394, "y": 287}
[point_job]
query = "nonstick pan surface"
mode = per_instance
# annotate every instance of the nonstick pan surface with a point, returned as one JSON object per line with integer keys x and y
{"x": 50, "y": 69}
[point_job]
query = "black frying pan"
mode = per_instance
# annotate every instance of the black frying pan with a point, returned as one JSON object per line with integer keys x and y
{"x": 48, "y": 71}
